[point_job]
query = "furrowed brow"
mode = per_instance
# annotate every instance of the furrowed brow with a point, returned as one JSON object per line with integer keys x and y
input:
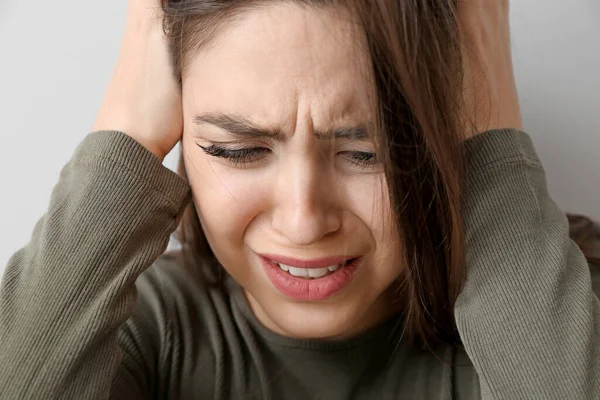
{"x": 244, "y": 128}
{"x": 359, "y": 132}
{"x": 238, "y": 126}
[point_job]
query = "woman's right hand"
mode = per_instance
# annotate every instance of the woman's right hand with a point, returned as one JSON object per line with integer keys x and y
{"x": 143, "y": 98}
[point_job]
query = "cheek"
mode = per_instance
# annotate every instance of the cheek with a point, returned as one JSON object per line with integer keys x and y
{"x": 369, "y": 200}
{"x": 227, "y": 201}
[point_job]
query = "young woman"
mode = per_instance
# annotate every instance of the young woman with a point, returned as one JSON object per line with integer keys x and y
{"x": 360, "y": 213}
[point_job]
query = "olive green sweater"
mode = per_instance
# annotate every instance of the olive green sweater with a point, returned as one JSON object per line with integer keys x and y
{"x": 91, "y": 308}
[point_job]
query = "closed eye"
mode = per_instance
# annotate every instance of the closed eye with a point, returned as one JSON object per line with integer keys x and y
{"x": 362, "y": 159}
{"x": 242, "y": 156}
{"x": 236, "y": 156}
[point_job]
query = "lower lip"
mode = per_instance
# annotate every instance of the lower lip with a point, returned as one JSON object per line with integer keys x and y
{"x": 310, "y": 289}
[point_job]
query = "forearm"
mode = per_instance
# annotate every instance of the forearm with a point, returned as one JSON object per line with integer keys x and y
{"x": 65, "y": 294}
{"x": 527, "y": 315}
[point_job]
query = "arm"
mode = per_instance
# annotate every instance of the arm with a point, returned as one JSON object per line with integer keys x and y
{"x": 64, "y": 296}
{"x": 527, "y": 315}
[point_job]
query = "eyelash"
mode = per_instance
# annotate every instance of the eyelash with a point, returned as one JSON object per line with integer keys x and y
{"x": 237, "y": 156}
{"x": 249, "y": 155}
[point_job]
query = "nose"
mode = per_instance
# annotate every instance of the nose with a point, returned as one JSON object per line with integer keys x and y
{"x": 305, "y": 208}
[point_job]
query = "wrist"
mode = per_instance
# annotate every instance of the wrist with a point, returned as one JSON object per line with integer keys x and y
{"x": 154, "y": 149}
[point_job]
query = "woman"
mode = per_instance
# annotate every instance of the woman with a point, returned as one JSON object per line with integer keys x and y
{"x": 331, "y": 151}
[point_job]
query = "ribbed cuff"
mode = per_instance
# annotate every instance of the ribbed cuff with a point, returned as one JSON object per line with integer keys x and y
{"x": 499, "y": 146}
{"x": 117, "y": 150}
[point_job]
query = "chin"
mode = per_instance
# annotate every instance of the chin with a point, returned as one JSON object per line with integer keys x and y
{"x": 315, "y": 320}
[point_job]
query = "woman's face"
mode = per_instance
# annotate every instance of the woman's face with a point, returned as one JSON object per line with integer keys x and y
{"x": 280, "y": 157}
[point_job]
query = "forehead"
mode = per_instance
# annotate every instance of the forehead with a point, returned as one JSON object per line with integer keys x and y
{"x": 274, "y": 60}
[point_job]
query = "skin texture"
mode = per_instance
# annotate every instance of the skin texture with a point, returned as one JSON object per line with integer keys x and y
{"x": 491, "y": 100}
{"x": 301, "y": 71}
{"x": 143, "y": 98}
{"x": 144, "y": 101}
{"x": 310, "y": 207}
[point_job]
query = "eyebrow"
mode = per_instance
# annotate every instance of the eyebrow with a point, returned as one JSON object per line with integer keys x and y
{"x": 244, "y": 128}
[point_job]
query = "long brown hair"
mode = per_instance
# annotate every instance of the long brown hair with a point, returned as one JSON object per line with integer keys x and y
{"x": 415, "y": 55}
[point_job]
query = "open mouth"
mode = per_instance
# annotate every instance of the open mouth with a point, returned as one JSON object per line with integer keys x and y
{"x": 311, "y": 280}
{"x": 312, "y": 273}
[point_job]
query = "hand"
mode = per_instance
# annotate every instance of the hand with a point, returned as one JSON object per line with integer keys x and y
{"x": 489, "y": 88}
{"x": 143, "y": 98}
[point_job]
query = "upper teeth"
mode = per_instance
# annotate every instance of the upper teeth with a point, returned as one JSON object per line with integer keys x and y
{"x": 309, "y": 272}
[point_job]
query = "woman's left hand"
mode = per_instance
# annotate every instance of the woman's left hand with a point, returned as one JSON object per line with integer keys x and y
{"x": 489, "y": 88}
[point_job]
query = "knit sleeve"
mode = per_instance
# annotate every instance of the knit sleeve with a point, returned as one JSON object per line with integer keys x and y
{"x": 65, "y": 295}
{"x": 528, "y": 315}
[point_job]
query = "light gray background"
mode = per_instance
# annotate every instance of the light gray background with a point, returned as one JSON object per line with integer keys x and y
{"x": 56, "y": 61}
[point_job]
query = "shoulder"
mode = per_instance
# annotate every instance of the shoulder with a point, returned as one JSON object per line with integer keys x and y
{"x": 176, "y": 325}
{"x": 165, "y": 276}
{"x": 169, "y": 286}
{"x": 174, "y": 305}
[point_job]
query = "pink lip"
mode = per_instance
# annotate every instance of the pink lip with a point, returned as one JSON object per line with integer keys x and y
{"x": 309, "y": 289}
